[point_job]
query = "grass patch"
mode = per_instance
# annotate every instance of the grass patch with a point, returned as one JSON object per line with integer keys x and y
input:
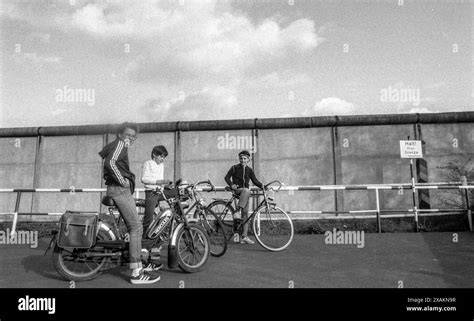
{"x": 388, "y": 225}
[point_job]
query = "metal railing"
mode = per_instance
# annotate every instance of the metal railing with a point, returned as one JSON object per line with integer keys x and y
{"x": 415, "y": 211}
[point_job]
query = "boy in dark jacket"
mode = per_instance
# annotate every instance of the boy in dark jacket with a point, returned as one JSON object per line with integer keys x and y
{"x": 238, "y": 178}
{"x": 120, "y": 183}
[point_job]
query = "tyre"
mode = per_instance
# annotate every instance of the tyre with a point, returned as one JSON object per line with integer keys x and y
{"x": 215, "y": 232}
{"x": 73, "y": 265}
{"x": 225, "y": 212}
{"x": 192, "y": 248}
{"x": 273, "y": 228}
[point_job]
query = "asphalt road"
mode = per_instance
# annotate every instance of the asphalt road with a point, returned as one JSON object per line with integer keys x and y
{"x": 391, "y": 260}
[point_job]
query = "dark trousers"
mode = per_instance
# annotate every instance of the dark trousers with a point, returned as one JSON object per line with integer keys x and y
{"x": 152, "y": 200}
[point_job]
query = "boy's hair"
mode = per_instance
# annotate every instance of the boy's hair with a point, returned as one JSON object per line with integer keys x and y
{"x": 244, "y": 152}
{"x": 159, "y": 150}
{"x": 121, "y": 128}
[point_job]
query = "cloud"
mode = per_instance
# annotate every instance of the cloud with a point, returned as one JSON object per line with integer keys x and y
{"x": 424, "y": 105}
{"x": 427, "y": 105}
{"x": 280, "y": 80}
{"x": 206, "y": 104}
{"x": 221, "y": 49}
{"x": 205, "y": 48}
{"x": 201, "y": 39}
{"x": 331, "y": 106}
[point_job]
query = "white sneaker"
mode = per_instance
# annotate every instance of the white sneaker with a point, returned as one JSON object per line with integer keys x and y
{"x": 145, "y": 277}
{"x": 246, "y": 240}
{"x": 152, "y": 267}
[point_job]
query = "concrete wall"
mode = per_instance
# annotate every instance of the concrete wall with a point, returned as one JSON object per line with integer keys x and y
{"x": 296, "y": 156}
{"x": 17, "y": 168}
{"x": 371, "y": 155}
{"x": 68, "y": 162}
{"x": 210, "y": 154}
{"x": 447, "y": 143}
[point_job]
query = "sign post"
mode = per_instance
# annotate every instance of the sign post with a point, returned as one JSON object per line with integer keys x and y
{"x": 412, "y": 149}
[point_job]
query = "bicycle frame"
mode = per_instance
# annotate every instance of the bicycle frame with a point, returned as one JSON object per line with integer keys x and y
{"x": 265, "y": 202}
{"x": 177, "y": 215}
{"x": 198, "y": 202}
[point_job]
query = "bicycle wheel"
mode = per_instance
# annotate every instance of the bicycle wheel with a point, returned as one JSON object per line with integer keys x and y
{"x": 215, "y": 231}
{"x": 193, "y": 248}
{"x": 74, "y": 265}
{"x": 225, "y": 212}
{"x": 273, "y": 228}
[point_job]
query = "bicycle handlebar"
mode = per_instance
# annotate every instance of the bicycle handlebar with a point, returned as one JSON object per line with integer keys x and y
{"x": 273, "y": 182}
{"x": 208, "y": 182}
{"x": 265, "y": 187}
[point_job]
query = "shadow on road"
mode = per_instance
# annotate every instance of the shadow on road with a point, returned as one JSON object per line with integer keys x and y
{"x": 42, "y": 265}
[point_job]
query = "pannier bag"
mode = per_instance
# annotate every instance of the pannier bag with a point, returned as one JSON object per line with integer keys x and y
{"x": 78, "y": 229}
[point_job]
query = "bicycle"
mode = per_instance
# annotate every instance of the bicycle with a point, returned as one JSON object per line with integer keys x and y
{"x": 271, "y": 225}
{"x": 207, "y": 219}
{"x": 188, "y": 243}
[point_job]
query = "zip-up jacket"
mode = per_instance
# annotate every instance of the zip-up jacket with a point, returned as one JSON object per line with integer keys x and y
{"x": 116, "y": 165}
{"x": 241, "y": 175}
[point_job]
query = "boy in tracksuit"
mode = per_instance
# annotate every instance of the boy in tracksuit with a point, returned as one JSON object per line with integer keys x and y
{"x": 120, "y": 183}
{"x": 238, "y": 178}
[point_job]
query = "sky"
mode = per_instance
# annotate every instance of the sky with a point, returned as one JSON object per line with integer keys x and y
{"x": 73, "y": 62}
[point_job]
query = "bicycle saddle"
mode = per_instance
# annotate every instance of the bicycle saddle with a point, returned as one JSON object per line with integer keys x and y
{"x": 108, "y": 201}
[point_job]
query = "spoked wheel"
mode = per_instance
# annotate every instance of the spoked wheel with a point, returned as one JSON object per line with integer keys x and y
{"x": 273, "y": 228}
{"x": 215, "y": 231}
{"x": 74, "y": 264}
{"x": 193, "y": 248}
{"x": 225, "y": 212}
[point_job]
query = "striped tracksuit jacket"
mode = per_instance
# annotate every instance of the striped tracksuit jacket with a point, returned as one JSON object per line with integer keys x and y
{"x": 116, "y": 165}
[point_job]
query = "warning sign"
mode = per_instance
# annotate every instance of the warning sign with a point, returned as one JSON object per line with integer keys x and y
{"x": 410, "y": 149}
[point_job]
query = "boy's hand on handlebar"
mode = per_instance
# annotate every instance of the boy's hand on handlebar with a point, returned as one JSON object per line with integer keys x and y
{"x": 234, "y": 187}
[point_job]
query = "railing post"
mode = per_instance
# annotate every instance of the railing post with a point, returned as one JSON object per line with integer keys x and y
{"x": 468, "y": 205}
{"x": 379, "y": 227}
{"x": 413, "y": 186}
{"x": 15, "y": 214}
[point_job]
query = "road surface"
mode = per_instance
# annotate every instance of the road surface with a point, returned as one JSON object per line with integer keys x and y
{"x": 388, "y": 260}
